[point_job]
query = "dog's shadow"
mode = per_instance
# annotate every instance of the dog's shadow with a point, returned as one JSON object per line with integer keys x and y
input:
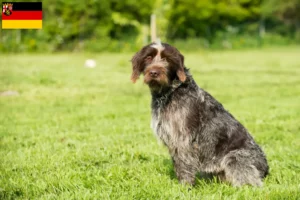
{"x": 201, "y": 177}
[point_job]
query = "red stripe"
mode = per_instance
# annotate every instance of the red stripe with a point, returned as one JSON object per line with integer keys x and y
{"x": 23, "y": 15}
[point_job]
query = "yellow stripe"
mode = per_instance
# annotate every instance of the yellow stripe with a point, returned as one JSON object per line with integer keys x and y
{"x": 22, "y": 24}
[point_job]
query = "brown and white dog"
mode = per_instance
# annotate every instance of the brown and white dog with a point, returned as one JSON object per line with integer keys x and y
{"x": 200, "y": 134}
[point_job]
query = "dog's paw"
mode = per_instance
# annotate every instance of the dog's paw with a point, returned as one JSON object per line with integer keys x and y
{"x": 188, "y": 183}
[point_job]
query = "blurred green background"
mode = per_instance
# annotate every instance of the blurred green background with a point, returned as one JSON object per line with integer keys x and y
{"x": 74, "y": 132}
{"x": 123, "y": 25}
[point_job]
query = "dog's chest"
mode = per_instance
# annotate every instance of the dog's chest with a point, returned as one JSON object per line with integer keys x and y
{"x": 169, "y": 125}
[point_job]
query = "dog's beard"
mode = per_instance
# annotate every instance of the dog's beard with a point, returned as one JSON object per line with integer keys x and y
{"x": 158, "y": 83}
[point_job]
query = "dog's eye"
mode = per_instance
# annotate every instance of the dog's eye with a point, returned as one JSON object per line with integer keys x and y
{"x": 148, "y": 58}
{"x": 164, "y": 59}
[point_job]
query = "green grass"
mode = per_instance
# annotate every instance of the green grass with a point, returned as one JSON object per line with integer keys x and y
{"x": 78, "y": 133}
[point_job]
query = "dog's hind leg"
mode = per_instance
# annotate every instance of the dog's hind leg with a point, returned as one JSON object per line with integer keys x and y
{"x": 239, "y": 170}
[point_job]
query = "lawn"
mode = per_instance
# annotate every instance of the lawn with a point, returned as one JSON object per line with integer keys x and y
{"x": 80, "y": 133}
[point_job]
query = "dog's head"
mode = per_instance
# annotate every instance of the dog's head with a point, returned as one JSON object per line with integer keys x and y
{"x": 160, "y": 63}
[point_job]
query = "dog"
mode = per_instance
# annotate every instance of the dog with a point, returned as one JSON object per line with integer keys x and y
{"x": 200, "y": 134}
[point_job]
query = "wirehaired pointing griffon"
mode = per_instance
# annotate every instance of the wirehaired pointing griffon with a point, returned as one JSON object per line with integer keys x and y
{"x": 200, "y": 134}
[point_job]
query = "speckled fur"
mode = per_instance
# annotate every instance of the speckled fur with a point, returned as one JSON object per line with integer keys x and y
{"x": 200, "y": 134}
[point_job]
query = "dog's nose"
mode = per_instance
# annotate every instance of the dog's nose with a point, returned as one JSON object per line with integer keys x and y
{"x": 154, "y": 73}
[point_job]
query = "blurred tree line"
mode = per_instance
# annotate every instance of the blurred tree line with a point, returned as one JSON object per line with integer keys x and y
{"x": 123, "y": 25}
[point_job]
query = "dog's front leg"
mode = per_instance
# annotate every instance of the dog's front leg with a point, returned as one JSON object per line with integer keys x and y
{"x": 184, "y": 169}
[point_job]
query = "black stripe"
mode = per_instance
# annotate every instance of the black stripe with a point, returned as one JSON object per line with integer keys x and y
{"x": 30, "y": 6}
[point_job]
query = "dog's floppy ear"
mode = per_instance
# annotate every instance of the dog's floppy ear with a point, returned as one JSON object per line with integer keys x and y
{"x": 180, "y": 71}
{"x": 137, "y": 63}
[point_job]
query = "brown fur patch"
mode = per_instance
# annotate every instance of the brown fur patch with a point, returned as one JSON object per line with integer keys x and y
{"x": 181, "y": 75}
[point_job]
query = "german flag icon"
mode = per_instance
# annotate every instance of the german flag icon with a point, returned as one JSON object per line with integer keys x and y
{"x": 22, "y": 15}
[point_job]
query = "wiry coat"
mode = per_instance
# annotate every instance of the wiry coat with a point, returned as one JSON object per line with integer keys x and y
{"x": 202, "y": 136}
